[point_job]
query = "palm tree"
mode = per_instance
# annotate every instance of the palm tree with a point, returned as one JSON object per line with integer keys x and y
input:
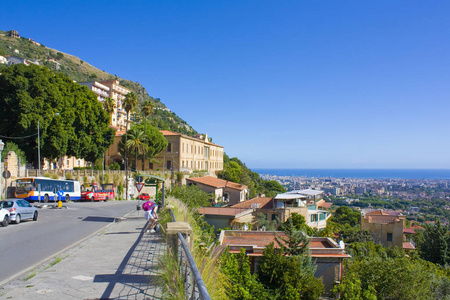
{"x": 137, "y": 143}
{"x": 109, "y": 105}
{"x": 128, "y": 104}
{"x": 147, "y": 110}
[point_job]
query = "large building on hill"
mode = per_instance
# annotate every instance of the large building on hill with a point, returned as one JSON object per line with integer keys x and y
{"x": 111, "y": 89}
{"x": 183, "y": 154}
{"x": 188, "y": 154}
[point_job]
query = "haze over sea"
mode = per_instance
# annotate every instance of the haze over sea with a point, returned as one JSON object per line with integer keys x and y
{"x": 360, "y": 173}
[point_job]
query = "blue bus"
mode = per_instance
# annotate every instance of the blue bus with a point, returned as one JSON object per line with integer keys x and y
{"x": 45, "y": 189}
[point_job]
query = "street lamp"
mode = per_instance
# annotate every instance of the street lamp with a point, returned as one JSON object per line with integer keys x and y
{"x": 39, "y": 142}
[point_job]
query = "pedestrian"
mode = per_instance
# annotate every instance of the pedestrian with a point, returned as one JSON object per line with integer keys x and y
{"x": 151, "y": 215}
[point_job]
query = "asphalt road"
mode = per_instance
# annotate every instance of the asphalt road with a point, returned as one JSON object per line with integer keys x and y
{"x": 25, "y": 244}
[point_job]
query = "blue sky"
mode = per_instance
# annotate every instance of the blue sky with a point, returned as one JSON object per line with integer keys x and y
{"x": 279, "y": 84}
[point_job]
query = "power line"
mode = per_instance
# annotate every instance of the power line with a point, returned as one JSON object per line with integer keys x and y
{"x": 17, "y": 137}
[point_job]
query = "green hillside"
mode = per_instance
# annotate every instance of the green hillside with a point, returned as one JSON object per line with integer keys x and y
{"x": 80, "y": 71}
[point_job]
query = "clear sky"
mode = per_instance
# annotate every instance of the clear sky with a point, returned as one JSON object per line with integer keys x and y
{"x": 279, "y": 84}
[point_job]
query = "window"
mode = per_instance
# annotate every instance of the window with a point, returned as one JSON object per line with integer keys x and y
{"x": 389, "y": 237}
{"x": 169, "y": 147}
{"x": 322, "y": 217}
{"x": 150, "y": 166}
{"x": 169, "y": 165}
{"x": 313, "y": 218}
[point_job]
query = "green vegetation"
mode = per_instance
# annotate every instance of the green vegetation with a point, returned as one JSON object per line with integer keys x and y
{"x": 71, "y": 120}
{"x": 236, "y": 171}
{"x": 81, "y": 71}
{"x": 10, "y": 146}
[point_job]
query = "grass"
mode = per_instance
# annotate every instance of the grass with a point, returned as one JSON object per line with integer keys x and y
{"x": 206, "y": 258}
{"x": 31, "y": 275}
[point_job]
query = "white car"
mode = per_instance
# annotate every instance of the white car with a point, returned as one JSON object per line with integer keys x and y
{"x": 19, "y": 209}
{"x": 4, "y": 217}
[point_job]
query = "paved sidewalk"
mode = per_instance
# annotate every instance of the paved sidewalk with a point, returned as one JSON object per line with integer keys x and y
{"x": 120, "y": 262}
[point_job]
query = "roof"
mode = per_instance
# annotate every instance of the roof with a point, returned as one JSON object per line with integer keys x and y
{"x": 382, "y": 219}
{"x": 258, "y": 202}
{"x": 325, "y": 205}
{"x": 409, "y": 230}
{"x": 307, "y": 192}
{"x": 217, "y": 183}
{"x": 167, "y": 132}
{"x": 223, "y": 211}
{"x": 205, "y": 140}
{"x": 408, "y": 245}
{"x": 256, "y": 241}
{"x": 378, "y": 213}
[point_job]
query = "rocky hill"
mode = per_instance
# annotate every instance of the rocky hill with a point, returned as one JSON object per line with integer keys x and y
{"x": 80, "y": 71}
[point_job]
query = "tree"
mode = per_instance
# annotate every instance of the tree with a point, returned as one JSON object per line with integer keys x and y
{"x": 435, "y": 246}
{"x": 288, "y": 277}
{"x": 32, "y": 93}
{"x": 244, "y": 285}
{"x": 147, "y": 109}
{"x": 128, "y": 104}
{"x": 346, "y": 215}
{"x": 10, "y": 146}
{"x": 153, "y": 138}
{"x": 137, "y": 143}
{"x": 109, "y": 105}
{"x": 295, "y": 242}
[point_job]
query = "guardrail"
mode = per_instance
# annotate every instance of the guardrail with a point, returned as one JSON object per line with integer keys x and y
{"x": 193, "y": 282}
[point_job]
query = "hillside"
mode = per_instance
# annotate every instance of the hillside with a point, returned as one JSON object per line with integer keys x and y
{"x": 80, "y": 71}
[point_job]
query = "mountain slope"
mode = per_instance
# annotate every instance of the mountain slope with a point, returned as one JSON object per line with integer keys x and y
{"x": 80, "y": 71}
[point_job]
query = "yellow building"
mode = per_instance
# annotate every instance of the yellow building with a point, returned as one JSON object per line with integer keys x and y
{"x": 387, "y": 229}
{"x": 187, "y": 154}
{"x": 117, "y": 93}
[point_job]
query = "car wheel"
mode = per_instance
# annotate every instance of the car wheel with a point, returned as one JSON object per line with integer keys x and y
{"x": 67, "y": 199}
{"x": 46, "y": 198}
{"x": 17, "y": 219}
{"x": 5, "y": 221}
{"x": 35, "y": 216}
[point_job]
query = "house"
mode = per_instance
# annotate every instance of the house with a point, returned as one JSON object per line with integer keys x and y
{"x": 327, "y": 254}
{"x": 187, "y": 154}
{"x": 303, "y": 202}
{"x": 224, "y": 190}
{"x": 227, "y": 217}
{"x": 388, "y": 229}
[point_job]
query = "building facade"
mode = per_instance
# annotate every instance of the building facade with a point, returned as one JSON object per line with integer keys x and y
{"x": 117, "y": 93}
{"x": 223, "y": 190}
{"x": 387, "y": 229}
{"x": 188, "y": 154}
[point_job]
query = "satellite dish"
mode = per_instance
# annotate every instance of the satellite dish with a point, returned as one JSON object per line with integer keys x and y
{"x": 341, "y": 244}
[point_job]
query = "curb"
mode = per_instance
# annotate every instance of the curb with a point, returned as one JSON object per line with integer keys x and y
{"x": 53, "y": 256}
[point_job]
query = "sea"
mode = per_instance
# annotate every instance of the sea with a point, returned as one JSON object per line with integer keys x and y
{"x": 360, "y": 173}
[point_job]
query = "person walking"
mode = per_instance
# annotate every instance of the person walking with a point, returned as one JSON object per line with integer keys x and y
{"x": 151, "y": 215}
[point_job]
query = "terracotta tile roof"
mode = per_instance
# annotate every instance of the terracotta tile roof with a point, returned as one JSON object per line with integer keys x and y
{"x": 408, "y": 245}
{"x": 168, "y": 132}
{"x": 222, "y": 211}
{"x": 378, "y": 213}
{"x": 382, "y": 219}
{"x": 258, "y": 202}
{"x": 217, "y": 183}
{"x": 409, "y": 230}
{"x": 255, "y": 241}
{"x": 325, "y": 205}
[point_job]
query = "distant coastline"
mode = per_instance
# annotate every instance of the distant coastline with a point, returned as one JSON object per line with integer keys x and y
{"x": 360, "y": 173}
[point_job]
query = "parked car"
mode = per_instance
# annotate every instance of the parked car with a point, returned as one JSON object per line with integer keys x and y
{"x": 144, "y": 197}
{"x": 4, "y": 217}
{"x": 19, "y": 209}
